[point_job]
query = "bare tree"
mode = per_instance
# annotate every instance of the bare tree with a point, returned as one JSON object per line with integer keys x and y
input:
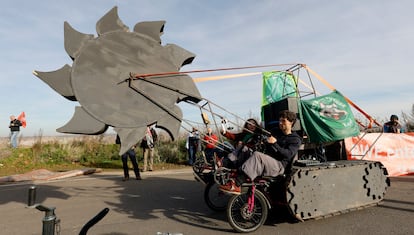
{"x": 409, "y": 120}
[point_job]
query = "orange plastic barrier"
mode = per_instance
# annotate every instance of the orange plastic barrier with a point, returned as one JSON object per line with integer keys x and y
{"x": 395, "y": 151}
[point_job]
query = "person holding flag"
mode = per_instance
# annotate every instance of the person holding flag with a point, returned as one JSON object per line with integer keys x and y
{"x": 14, "y": 126}
{"x": 22, "y": 119}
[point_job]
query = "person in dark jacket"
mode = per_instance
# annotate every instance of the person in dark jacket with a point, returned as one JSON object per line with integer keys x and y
{"x": 193, "y": 145}
{"x": 280, "y": 152}
{"x": 14, "y": 126}
{"x": 392, "y": 126}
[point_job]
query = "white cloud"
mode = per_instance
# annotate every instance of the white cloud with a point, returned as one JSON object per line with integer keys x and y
{"x": 363, "y": 48}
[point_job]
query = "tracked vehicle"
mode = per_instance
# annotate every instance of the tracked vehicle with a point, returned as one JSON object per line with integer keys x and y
{"x": 127, "y": 80}
{"x": 321, "y": 181}
{"x": 309, "y": 192}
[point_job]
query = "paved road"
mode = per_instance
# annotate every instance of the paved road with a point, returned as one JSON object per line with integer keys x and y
{"x": 172, "y": 201}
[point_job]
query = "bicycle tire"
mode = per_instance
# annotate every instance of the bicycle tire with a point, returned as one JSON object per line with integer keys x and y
{"x": 215, "y": 198}
{"x": 240, "y": 218}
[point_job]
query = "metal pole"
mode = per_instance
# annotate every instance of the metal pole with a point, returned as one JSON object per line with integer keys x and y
{"x": 32, "y": 196}
{"x": 49, "y": 222}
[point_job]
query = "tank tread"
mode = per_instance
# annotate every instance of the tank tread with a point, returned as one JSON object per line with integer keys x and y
{"x": 344, "y": 211}
{"x": 335, "y": 188}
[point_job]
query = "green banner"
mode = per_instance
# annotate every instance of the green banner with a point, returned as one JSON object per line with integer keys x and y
{"x": 278, "y": 85}
{"x": 328, "y": 118}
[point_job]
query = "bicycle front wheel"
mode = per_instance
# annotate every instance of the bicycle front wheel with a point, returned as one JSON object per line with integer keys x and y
{"x": 244, "y": 219}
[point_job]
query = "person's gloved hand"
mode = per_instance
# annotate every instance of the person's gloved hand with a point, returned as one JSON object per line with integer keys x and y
{"x": 223, "y": 126}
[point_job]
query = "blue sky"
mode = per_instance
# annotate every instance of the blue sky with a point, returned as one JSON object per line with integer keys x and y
{"x": 363, "y": 48}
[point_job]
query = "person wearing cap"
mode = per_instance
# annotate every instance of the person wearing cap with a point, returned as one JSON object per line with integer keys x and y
{"x": 392, "y": 126}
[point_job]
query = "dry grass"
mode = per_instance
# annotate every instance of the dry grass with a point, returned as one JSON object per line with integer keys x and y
{"x": 74, "y": 152}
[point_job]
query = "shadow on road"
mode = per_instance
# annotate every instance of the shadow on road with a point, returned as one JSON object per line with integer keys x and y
{"x": 177, "y": 199}
{"x": 166, "y": 198}
{"x": 47, "y": 191}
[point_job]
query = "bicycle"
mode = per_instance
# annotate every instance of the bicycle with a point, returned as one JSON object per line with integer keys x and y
{"x": 212, "y": 176}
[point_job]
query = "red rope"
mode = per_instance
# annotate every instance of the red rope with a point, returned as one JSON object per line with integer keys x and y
{"x": 206, "y": 70}
{"x": 372, "y": 120}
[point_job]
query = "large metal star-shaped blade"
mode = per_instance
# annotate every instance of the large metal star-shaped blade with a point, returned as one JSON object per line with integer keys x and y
{"x": 98, "y": 80}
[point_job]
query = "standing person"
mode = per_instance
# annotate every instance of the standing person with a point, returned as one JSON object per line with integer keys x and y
{"x": 14, "y": 126}
{"x": 131, "y": 154}
{"x": 192, "y": 144}
{"x": 280, "y": 153}
{"x": 211, "y": 141}
{"x": 392, "y": 126}
{"x": 147, "y": 145}
{"x": 154, "y": 140}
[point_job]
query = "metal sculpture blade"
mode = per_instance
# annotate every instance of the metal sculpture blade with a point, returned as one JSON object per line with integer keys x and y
{"x": 110, "y": 22}
{"x": 101, "y": 80}
{"x": 153, "y": 29}
{"x": 59, "y": 80}
{"x": 74, "y": 40}
{"x": 83, "y": 123}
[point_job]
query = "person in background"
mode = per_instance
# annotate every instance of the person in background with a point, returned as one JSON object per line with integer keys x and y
{"x": 211, "y": 141}
{"x": 14, "y": 126}
{"x": 131, "y": 154}
{"x": 193, "y": 145}
{"x": 147, "y": 145}
{"x": 392, "y": 126}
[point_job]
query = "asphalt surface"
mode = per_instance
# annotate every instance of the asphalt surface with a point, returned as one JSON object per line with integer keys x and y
{"x": 172, "y": 201}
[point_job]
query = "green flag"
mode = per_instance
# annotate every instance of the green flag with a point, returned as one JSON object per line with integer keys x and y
{"x": 328, "y": 118}
{"x": 277, "y": 85}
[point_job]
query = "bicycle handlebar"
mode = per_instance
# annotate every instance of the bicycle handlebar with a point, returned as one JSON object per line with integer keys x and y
{"x": 93, "y": 221}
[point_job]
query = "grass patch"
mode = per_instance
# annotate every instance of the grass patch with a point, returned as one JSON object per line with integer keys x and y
{"x": 87, "y": 151}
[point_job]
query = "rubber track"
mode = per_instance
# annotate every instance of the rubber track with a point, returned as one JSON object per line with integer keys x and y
{"x": 335, "y": 188}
